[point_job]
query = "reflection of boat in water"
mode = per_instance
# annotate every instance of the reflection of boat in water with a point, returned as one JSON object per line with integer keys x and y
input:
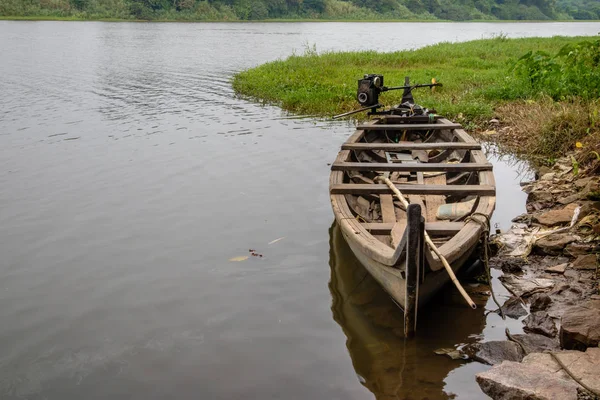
{"x": 389, "y": 365}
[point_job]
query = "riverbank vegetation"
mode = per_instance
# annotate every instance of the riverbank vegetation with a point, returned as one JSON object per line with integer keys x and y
{"x": 352, "y": 10}
{"x": 544, "y": 91}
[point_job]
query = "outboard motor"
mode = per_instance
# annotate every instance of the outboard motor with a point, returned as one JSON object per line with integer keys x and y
{"x": 368, "y": 90}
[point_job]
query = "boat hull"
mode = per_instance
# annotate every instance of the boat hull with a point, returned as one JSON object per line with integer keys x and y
{"x": 391, "y": 279}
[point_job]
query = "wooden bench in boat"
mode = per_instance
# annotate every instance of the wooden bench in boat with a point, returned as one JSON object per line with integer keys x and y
{"x": 433, "y": 228}
{"x": 359, "y": 188}
{"x": 407, "y": 127}
{"x": 412, "y": 146}
{"x": 410, "y": 167}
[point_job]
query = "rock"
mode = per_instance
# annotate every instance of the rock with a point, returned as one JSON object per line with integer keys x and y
{"x": 537, "y": 377}
{"x": 577, "y": 249}
{"x": 557, "y": 217}
{"x": 540, "y": 196}
{"x": 539, "y": 302}
{"x": 494, "y": 352}
{"x": 591, "y": 187}
{"x": 580, "y": 326}
{"x": 570, "y": 199}
{"x": 550, "y": 261}
{"x": 548, "y": 176}
{"x": 554, "y": 244}
{"x": 540, "y": 322}
{"x": 534, "y": 343}
{"x": 581, "y": 183}
{"x": 524, "y": 287}
{"x": 524, "y": 218}
{"x": 512, "y": 264}
{"x": 513, "y": 308}
{"x": 588, "y": 207}
{"x": 494, "y": 121}
{"x": 586, "y": 262}
{"x": 544, "y": 170}
{"x": 557, "y": 269}
{"x": 585, "y": 366}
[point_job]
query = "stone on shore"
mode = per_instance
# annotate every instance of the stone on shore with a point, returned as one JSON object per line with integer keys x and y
{"x": 537, "y": 377}
{"x": 540, "y": 376}
{"x": 586, "y": 262}
{"x": 494, "y": 352}
{"x": 578, "y": 249}
{"x": 554, "y": 244}
{"x": 584, "y": 366}
{"x": 557, "y": 217}
{"x": 580, "y": 326}
{"x": 524, "y": 287}
{"x": 534, "y": 343}
{"x": 557, "y": 269}
{"x": 513, "y": 308}
{"x": 539, "y": 302}
{"x": 540, "y": 322}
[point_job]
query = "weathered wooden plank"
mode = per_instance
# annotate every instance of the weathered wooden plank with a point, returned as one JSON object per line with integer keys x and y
{"x": 403, "y": 118}
{"x": 358, "y": 188}
{"x": 411, "y": 146}
{"x": 433, "y": 228}
{"x": 433, "y": 201}
{"x": 416, "y": 199}
{"x": 408, "y": 127}
{"x": 387, "y": 208}
{"x": 410, "y": 167}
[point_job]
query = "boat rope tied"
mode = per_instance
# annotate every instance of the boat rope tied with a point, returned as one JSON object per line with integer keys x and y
{"x": 430, "y": 244}
{"x": 485, "y": 234}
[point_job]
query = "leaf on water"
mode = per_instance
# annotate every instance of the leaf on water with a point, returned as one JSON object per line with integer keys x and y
{"x": 277, "y": 240}
{"x": 452, "y": 353}
{"x": 240, "y": 258}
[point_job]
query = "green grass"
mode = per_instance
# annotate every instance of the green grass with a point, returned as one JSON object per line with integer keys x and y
{"x": 476, "y": 77}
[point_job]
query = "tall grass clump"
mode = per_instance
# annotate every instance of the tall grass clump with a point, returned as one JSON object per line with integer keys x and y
{"x": 573, "y": 71}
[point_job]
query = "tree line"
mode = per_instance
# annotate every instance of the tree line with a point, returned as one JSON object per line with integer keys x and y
{"x": 233, "y": 10}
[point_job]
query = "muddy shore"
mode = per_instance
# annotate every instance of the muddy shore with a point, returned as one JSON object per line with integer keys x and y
{"x": 549, "y": 260}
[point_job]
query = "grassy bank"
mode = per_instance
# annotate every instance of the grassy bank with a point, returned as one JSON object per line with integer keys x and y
{"x": 479, "y": 78}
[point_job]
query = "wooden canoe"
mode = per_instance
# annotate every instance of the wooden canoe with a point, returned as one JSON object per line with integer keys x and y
{"x": 436, "y": 165}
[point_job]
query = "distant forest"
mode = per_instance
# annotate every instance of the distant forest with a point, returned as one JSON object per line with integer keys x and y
{"x": 235, "y": 10}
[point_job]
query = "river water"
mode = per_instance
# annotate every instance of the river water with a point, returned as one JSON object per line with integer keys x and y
{"x": 131, "y": 175}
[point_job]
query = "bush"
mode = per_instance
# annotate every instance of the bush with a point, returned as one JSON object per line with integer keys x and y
{"x": 573, "y": 71}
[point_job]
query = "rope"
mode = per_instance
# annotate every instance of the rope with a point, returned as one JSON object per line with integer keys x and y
{"x": 485, "y": 233}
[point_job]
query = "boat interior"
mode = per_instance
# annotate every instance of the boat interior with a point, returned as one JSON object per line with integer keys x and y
{"x": 430, "y": 160}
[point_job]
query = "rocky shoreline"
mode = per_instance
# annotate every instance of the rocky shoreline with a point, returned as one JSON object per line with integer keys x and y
{"x": 549, "y": 258}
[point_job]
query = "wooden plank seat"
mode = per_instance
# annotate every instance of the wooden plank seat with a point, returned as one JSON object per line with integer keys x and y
{"x": 407, "y": 127}
{"x": 358, "y": 188}
{"x": 433, "y": 228}
{"x": 412, "y": 146}
{"x": 410, "y": 167}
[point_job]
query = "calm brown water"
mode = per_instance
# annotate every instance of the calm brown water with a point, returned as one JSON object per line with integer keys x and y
{"x": 130, "y": 175}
